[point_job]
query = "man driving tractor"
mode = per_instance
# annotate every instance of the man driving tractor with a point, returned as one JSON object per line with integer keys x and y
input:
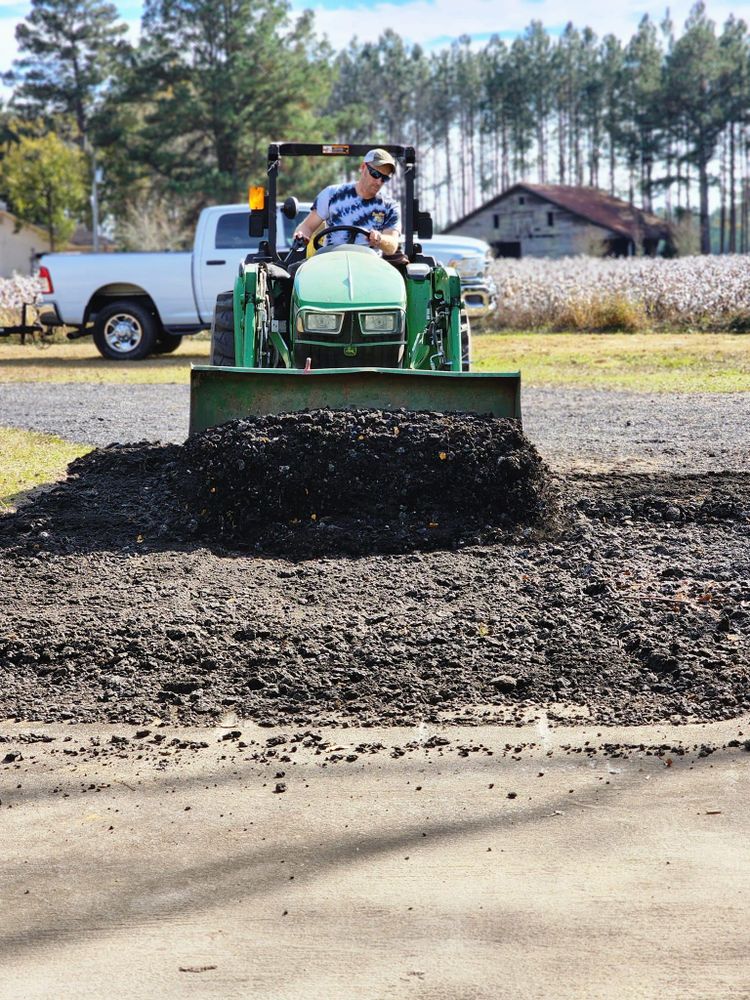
{"x": 362, "y": 204}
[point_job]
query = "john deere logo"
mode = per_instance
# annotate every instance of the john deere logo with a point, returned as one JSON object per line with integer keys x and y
{"x": 350, "y": 351}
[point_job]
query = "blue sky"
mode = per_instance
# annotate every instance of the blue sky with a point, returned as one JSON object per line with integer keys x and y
{"x": 434, "y": 23}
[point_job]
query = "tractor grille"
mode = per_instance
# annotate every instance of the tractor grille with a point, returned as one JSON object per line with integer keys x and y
{"x": 384, "y": 356}
{"x": 349, "y": 348}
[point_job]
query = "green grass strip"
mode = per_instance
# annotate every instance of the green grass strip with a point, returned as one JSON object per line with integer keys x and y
{"x": 644, "y": 362}
{"x": 641, "y": 362}
{"x": 29, "y": 459}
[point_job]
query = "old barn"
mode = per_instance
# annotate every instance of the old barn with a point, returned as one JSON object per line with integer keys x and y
{"x": 557, "y": 220}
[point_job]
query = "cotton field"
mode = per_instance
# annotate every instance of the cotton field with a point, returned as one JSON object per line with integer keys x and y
{"x": 578, "y": 293}
{"x": 13, "y": 293}
{"x": 687, "y": 292}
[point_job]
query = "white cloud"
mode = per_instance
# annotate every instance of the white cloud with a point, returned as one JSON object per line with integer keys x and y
{"x": 431, "y": 21}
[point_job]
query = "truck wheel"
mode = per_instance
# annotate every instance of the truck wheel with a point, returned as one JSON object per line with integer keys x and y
{"x": 222, "y": 331}
{"x": 125, "y": 331}
{"x": 167, "y": 342}
{"x": 465, "y": 343}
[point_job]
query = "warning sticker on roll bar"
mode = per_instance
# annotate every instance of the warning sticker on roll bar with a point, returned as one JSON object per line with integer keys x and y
{"x": 335, "y": 150}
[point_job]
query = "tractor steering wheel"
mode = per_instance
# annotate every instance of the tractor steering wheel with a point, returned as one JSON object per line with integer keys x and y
{"x": 353, "y": 231}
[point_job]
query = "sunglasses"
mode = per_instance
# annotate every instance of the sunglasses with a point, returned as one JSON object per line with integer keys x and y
{"x": 377, "y": 174}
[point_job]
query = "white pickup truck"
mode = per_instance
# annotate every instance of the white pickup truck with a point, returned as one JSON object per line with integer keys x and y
{"x": 136, "y": 304}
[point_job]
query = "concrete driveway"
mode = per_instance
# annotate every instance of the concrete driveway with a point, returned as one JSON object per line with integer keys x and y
{"x": 530, "y": 862}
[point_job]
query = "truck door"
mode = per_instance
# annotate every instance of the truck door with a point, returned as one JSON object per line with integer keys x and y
{"x": 225, "y": 244}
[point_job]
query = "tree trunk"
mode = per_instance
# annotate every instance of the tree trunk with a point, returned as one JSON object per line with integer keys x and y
{"x": 50, "y": 222}
{"x": 732, "y": 203}
{"x": 703, "y": 202}
{"x": 723, "y": 197}
{"x": 448, "y": 174}
{"x": 541, "y": 145}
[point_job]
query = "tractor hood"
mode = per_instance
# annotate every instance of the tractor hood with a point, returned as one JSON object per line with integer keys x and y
{"x": 350, "y": 278}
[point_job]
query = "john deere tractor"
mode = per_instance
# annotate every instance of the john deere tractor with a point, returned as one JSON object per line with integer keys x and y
{"x": 342, "y": 327}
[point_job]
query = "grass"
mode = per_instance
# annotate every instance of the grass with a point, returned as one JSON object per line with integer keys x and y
{"x": 79, "y": 361}
{"x": 646, "y": 362}
{"x": 28, "y": 459}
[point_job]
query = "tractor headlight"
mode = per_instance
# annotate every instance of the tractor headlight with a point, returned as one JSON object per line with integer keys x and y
{"x": 380, "y": 322}
{"x": 323, "y": 322}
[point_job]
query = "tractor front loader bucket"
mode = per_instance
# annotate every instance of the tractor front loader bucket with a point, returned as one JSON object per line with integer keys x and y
{"x": 221, "y": 394}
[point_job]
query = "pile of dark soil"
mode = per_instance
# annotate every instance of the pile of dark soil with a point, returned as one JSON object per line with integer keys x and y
{"x": 305, "y": 484}
{"x": 363, "y": 481}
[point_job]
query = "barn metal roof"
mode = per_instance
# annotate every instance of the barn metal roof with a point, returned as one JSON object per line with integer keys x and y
{"x": 595, "y": 206}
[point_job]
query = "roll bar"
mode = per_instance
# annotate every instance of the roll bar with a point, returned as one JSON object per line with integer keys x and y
{"x": 414, "y": 219}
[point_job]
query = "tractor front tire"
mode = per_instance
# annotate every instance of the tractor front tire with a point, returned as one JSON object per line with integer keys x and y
{"x": 222, "y": 332}
{"x": 465, "y": 343}
{"x": 125, "y": 331}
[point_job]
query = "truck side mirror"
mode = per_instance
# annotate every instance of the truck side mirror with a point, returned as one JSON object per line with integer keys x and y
{"x": 290, "y": 208}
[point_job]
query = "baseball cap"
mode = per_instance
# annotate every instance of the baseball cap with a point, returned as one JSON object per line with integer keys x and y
{"x": 380, "y": 158}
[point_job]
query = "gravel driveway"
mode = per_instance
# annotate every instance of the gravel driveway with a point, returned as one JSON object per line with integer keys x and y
{"x": 574, "y": 429}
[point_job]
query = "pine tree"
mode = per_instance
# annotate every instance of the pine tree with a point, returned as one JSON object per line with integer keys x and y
{"x": 70, "y": 50}
{"x": 696, "y": 98}
{"x": 735, "y": 51}
{"x": 222, "y": 78}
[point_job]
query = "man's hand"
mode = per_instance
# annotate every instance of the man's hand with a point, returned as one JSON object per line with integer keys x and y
{"x": 307, "y": 229}
{"x": 387, "y": 240}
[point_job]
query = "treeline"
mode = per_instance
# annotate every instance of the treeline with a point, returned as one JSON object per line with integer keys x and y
{"x": 183, "y": 118}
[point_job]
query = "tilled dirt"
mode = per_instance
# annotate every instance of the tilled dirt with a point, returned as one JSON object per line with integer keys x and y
{"x": 609, "y": 597}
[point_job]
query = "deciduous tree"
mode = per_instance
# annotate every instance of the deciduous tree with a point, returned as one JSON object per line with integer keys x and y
{"x": 45, "y": 179}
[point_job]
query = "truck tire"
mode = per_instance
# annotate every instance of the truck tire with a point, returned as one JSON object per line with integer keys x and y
{"x": 465, "y": 343}
{"x": 222, "y": 331}
{"x": 167, "y": 342}
{"x": 125, "y": 331}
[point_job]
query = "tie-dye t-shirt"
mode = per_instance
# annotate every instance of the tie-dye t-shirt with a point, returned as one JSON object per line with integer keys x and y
{"x": 340, "y": 205}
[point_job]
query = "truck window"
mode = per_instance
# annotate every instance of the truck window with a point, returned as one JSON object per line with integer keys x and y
{"x": 232, "y": 232}
{"x": 291, "y": 224}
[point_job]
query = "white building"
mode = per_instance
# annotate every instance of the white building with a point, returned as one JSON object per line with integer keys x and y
{"x": 20, "y": 242}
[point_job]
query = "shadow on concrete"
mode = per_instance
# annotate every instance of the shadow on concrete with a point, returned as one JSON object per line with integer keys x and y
{"x": 182, "y": 889}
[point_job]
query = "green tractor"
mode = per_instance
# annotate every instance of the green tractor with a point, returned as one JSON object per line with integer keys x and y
{"x": 343, "y": 327}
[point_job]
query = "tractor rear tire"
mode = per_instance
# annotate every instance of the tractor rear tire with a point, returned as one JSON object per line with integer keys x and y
{"x": 465, "y": 343}
{"x": 222, "y": 332}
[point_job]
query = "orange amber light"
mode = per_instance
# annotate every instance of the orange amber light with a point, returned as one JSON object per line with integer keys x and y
{"x": 256, "y": 198}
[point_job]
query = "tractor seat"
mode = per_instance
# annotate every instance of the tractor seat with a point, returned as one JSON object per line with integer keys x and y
{"x": 278, "y": 272}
